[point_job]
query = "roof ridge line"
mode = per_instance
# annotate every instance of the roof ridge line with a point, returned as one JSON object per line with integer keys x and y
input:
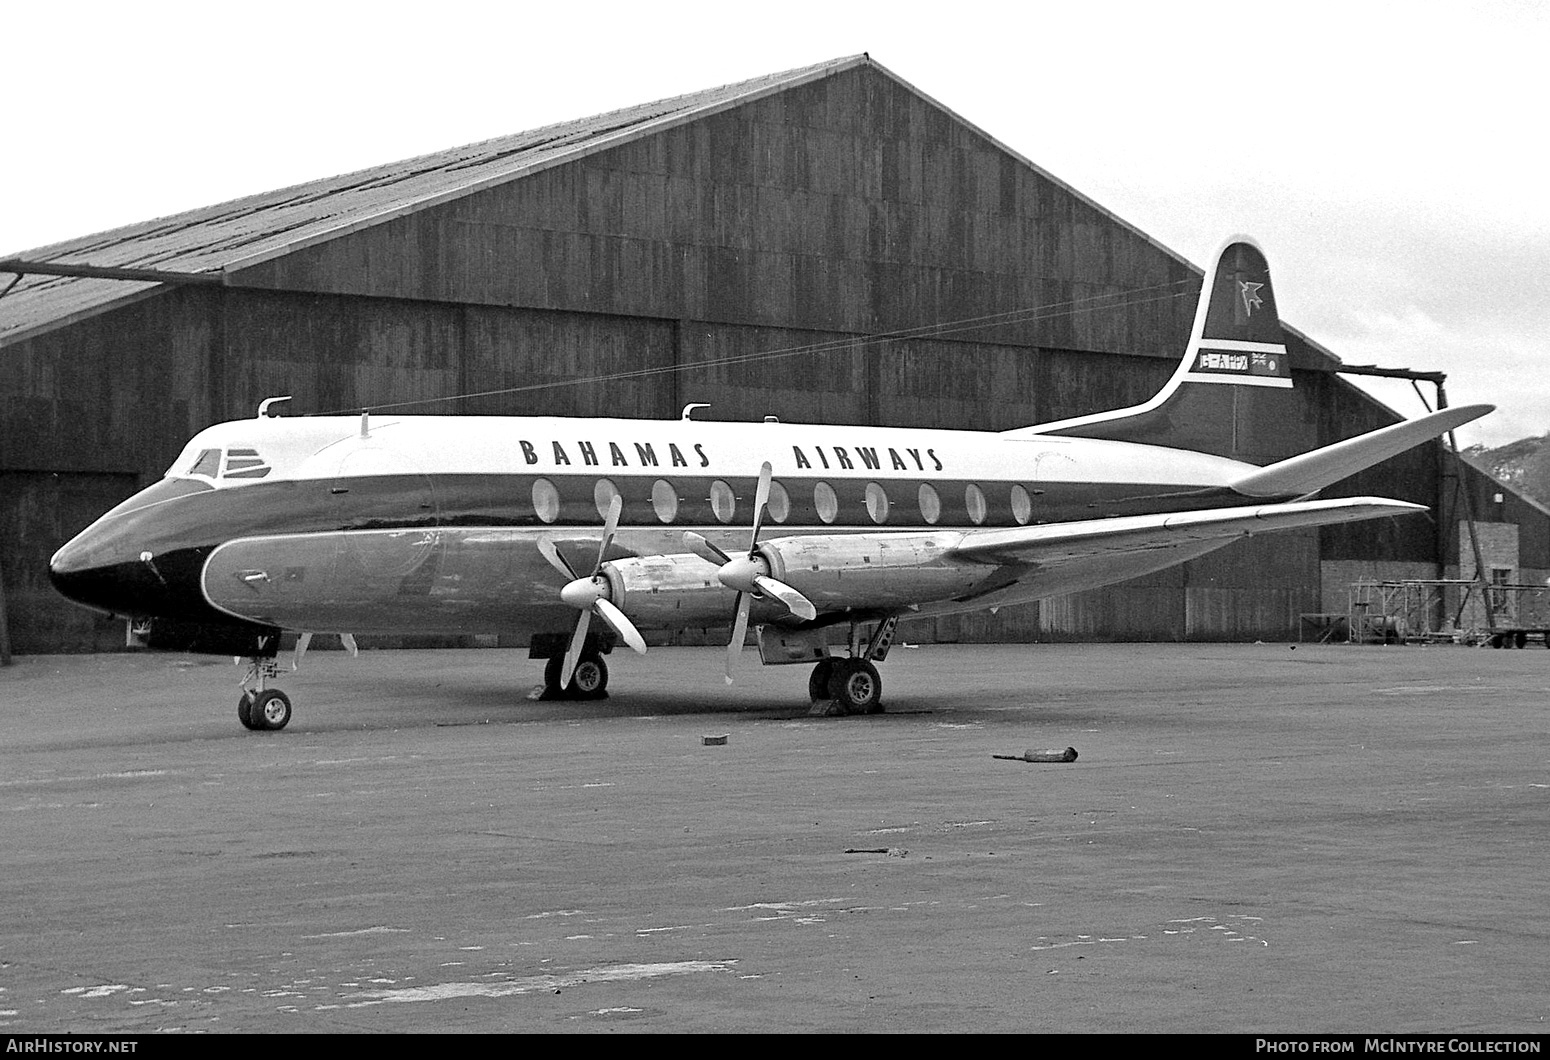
{"x": 775, "y": 82}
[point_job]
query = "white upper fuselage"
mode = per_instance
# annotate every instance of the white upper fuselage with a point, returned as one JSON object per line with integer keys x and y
{"x": 314, "y": 448}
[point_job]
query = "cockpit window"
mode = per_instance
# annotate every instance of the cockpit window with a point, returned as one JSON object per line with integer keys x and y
{"x": 208, "y": 464}
{"x": 229, "y": 463}
{"x": 245, "y": 463}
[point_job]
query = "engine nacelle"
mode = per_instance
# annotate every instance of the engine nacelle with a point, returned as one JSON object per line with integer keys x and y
{"x": 836, "y": 571}
{"x": 673, "y": 590}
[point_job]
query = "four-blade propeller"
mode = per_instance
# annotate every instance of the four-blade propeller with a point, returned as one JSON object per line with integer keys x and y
{"x": 591, "y": 593}
{"x": 750, "y": 574}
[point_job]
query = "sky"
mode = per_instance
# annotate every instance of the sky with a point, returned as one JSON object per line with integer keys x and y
{"x": 1391, "y": 158}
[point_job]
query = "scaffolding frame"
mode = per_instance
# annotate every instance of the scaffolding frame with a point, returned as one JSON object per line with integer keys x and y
{"x": 1437, "y": 610}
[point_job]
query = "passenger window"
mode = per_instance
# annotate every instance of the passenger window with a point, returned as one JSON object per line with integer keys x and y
{"x": 723, "y": 502}
{"x": 546, "y": 500}
{"x": 828, "y": 504}
{"x": 603, "y": 495}
{"x": 664, "y": 500}
{"x": 930, "y": 504}
{"x": 974, "y": 500}
{"x": 876, "y": 503}
{"x": 1022, "y": 505}
{"x": 779, "y": 505}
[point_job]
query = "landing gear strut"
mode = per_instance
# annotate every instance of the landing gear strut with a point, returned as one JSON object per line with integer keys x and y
{"x": 853, "y": 685}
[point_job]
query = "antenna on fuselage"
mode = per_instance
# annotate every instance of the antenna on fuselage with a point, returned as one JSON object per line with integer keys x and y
{"x": 365, "y": 423}
{"x": 264, "y": 406}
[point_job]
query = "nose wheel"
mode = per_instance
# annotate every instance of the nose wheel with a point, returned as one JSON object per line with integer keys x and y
{"x": 269, "y": 709}
{"x": 259, "y": 707}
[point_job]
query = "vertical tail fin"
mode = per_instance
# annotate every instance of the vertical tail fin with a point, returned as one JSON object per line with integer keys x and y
{"x": 1236, "y": 343}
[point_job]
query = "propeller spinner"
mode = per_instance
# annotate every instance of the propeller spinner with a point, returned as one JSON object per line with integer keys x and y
{"x": 591, "y": 593}
{"x": 750, "y": 574}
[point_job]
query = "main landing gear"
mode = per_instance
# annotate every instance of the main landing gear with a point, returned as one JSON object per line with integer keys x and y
{"x": 590, "y": 681}
{"x": 853, "y": 685}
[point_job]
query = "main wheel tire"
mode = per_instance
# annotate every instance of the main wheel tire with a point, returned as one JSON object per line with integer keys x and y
{"x": 245, "y": 711}
{"x": 271, "y": 709}
{"x": 590, "y": 681}
{"x": 856, "y": 686}
{"x": 818, "y": 681}
{"x": 1520, "y": 639}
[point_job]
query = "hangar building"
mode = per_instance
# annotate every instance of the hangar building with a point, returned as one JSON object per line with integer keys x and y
{"x": 824, "y": 244}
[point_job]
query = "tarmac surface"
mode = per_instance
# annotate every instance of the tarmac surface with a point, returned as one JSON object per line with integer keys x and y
{"x": 1255, "y": 838}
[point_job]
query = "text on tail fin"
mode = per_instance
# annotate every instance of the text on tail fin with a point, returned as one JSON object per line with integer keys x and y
{"x": 1237, "y": 333}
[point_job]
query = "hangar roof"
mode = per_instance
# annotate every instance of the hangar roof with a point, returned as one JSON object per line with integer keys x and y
{"x": 201, "y": 245}
{"x": 209, "y": 244}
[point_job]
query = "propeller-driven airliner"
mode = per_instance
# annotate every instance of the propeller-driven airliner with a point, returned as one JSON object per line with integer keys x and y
{"x": 534, "y": 526}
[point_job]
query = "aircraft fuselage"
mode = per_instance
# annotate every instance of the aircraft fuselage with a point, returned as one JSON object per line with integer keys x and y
{"x": 430, "y": 524}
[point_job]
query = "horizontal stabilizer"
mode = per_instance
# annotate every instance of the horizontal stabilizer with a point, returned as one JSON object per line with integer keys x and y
{"x": 1322, "y": 467}
{"x": 1062, "y": 542}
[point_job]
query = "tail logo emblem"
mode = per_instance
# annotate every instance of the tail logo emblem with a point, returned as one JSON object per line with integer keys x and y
{"x": 1250, "y": 294}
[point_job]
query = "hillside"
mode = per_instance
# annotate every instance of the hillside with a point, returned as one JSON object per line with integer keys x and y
{"x": 1523, "y": 464}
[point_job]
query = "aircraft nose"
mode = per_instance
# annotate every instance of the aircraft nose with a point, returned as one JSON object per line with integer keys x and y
{"x": 81, "y": 571}
{"x": 127, "y": 562}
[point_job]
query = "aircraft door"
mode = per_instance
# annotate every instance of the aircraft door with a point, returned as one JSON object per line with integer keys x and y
{"x": 1058, "y": 491}
{"x": 389, "y": 549}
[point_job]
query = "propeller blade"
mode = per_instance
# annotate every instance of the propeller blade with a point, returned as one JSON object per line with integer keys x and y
{"x": 610, "y": 526}
{"x": 798, "y": 604}
{"x": 578, "y": 640}
{"x": 739, "y": 632}
{"x": 623, "y": 626}
{"x": 705, "y": 550}
{"x": 761, "y": 498}
{"x": 556, "y": 560}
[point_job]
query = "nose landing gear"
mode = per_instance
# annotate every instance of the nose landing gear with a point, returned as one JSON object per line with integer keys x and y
{"x": 259, "y": 707}
{"x": 269, "y": 709}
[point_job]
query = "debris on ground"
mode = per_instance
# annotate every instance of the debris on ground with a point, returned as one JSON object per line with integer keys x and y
{"x": 1030, "y": 755}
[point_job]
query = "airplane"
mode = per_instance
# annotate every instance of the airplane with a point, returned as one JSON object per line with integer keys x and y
{"x": 384, "y": 524}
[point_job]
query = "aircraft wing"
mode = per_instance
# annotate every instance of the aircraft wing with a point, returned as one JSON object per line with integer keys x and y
{"x": 1063, "y": 542}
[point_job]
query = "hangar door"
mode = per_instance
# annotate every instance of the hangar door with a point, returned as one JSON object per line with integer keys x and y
{"x": 39, "y": 511}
